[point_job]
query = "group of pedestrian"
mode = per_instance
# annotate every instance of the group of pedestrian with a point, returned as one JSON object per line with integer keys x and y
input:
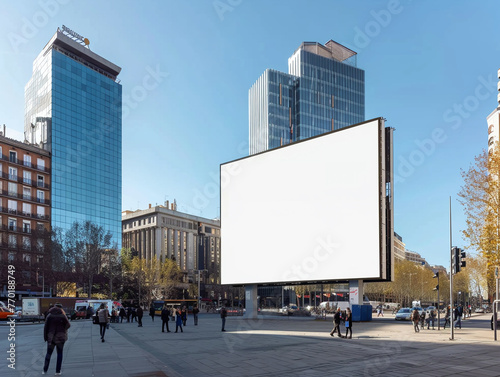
{"x": 340, "y": 317}
{"x": 57, "y": 325}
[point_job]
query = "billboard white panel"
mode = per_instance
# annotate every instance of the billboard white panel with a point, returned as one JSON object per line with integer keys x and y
{"x": 306, "y": 212}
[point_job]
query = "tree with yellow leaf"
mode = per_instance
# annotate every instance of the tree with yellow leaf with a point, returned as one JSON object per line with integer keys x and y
{"x": 480, "y": 198}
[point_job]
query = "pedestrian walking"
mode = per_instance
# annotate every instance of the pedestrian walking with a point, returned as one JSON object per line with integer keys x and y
{"x": 165, "y": 317}
{"x": 348, "y": 323}
{"x": 129, "y": 313}
{"x": 55, "y": 333}
{"x": 432, "y": 317}
{"x": 178, "y": 320}
{"x": 113, "y": 315}
{"x": 103, "y": 315}
{"x": 223, "y": 315}
{"x": 184, "y": 315}
{"x": 380, "y": 310}
{"x": 195, "y": 315}
{"x": 447, "y": 317}
{"x": 415, "y": 317}
{"x": 152, "y": 312}
{"x": 458, "y": 316}
{"x": 140, "y": 313}
{"x": 422, "y": 320}
{"x": 337, "y": 317}
{"x": 123, "y": 314}
{"x": 134, "y": 315}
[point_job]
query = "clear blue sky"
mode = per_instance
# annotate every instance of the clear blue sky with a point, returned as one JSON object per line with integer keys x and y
{"x": 430, "y": 71}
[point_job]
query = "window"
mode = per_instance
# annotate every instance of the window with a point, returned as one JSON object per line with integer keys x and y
{"x": 12, "y": 240}
{"x": 12, "y": 206}
{"x": 12, "y": 156}
{"x": 40, "y": 164}
{"x": 12, "y": 189}
{"x": 26, "y": 209}
{"x": 27, "y": 177}
{"x": 12, "y": 256}
{"x": 12, "y": 224}
{"x": 27, "y": 160}
{"x": 26, "y": 226}
{"x": 40, "y": 212}
{"x": 40, "y": 196}
{"x": 26, "y": 243}
{"x": 12, "y": 173}
{"x": 40, "y": 226}
{"x": 26, "y": 193}
{"x": 40, "y": 181}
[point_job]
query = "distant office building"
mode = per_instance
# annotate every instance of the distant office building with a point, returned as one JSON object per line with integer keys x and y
{"x": 323, "y": 91}
{"x": 415, "y": 257}
{"x": 73, "y": 110}
{"x": 399, "y": 247}
{"x": 494, "y": 122}
{"x": 24, "y": 213}
{"x": 161, "y": 232}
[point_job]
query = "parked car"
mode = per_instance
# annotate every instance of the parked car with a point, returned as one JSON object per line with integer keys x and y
{"x": 419, "y": 308}
{"x": 4, "y": 313}
{"x": 404, "y": 314}
{"x": 289, "y": 310}
{"x": 479, "y": 310}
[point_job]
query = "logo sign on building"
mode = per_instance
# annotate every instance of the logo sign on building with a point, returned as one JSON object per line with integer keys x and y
{"x": 75, "y": 35}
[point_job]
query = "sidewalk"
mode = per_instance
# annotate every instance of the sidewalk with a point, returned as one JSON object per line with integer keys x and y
{"x": 273, "y": 346}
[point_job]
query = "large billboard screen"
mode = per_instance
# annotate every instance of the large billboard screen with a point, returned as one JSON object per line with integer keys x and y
{"x": 310, "y": 211}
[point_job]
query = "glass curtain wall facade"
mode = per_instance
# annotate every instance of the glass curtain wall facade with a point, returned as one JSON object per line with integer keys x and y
{"x": 323, "y": 91}
{"x": 73, "y": 109}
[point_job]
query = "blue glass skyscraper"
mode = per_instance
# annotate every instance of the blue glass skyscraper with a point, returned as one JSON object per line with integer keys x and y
{"x": 323, "y": 91}
{"x": 74, "y": 110}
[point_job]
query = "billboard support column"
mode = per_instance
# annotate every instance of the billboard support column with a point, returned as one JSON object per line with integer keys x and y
{"x": 251, "y": 310}
{"x": 360, "y": 312}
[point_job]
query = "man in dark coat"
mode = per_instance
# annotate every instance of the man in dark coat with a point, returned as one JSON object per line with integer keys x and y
{"x": 223, "y": 315}
{"x": 337, "y": 317}
{"x": 55, "y": 333}
{"x": 140, "y": 313}
{"x": 165, "y": 317}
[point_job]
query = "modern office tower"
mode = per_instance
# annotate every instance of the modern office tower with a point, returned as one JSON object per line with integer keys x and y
{"x": 494, "y": 122}
{"x": 323, "y": 91}
{"x": 73, "y": 110}
{"x": 24, "y": 214}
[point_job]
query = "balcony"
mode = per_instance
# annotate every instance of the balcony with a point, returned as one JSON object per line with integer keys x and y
{"x": 29, "y": 215}
{"x": 28, "y": 164}
{"x": 25, "y": 197}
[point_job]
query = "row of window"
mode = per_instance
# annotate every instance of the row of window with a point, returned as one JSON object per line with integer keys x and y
{"x": 26, "y": 160}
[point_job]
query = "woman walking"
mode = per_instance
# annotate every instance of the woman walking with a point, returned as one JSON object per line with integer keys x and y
{"x": 348, "y": 323}
{"x": 55, "y": 333}
{"x": 103, "y": 320}
{"x": 178, "y": 320}
{"x": 415, "y": 317}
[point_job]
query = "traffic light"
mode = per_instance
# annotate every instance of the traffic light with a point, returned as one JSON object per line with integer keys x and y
{"x": 458, "y": 263}
{"x": 455, "y": 260}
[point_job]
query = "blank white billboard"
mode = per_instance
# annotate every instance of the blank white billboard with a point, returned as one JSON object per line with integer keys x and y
{"x": 310, "y": 211}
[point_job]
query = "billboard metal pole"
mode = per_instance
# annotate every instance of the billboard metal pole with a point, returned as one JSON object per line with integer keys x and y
{"x": 451, "y": 280}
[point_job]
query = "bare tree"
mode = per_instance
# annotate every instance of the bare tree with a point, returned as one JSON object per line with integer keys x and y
{"x": 84, "y": 244}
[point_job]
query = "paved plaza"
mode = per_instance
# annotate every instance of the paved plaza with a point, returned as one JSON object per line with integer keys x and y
{"x": 269, "y": 346}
